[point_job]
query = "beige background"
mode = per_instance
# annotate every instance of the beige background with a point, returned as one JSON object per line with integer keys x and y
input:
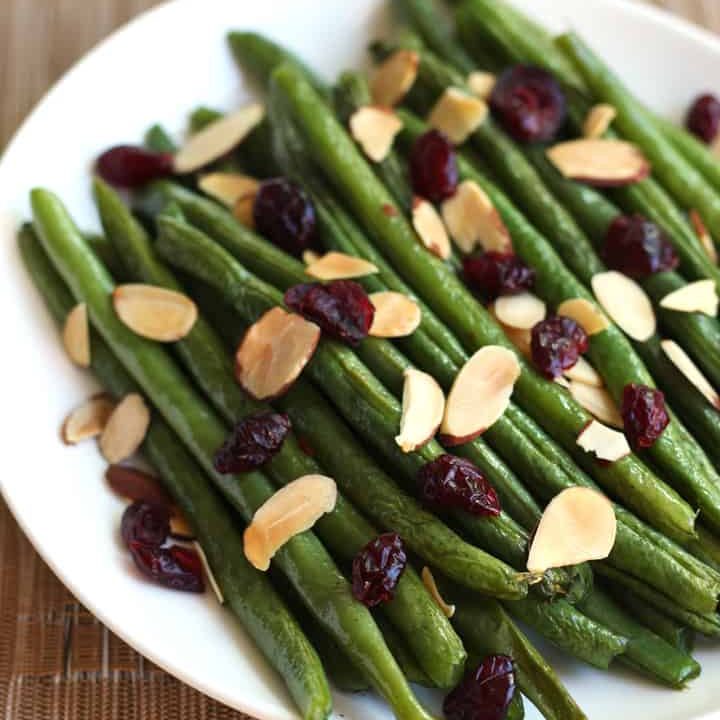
{"x": 56, "y": 660}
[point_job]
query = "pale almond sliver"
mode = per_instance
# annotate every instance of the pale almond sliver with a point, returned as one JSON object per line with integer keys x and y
{"x": 583, "y": 372}
{"x": 87, "y": 420}
{"x": 309, "y": 257}
{"x": 375, "y": 129}
{"x": 598, "y": 402}
{"x": 430, "y": 228}
{"x": 598, "y": 120}
{"x": 431, "y": 586}
{"x": 522, "y": 311}
{"x": 125, "y": 429}
{"x": 584, "y": 313}
{"x": 423, "y": 406}
{"x": 684, "y": 363}
{"x": 228, "y": 187}
{"x": 704, "y": 236}
{"x": 457, "y": 115}
{"x": 209, "y": 573}
{"x": 604, "y": 442}
{"x": 481, "y": 84}
{"x": 521, "y": 339}
{"x": 337, "y": 265}
{"x": 626, "y": 303}
{"x": 244, "y": 209}
{"x": 396, "y": 315}
{"x": 700, "y": 296}
{"x": 394, "y": 77}
{"x": 76, "y": 335}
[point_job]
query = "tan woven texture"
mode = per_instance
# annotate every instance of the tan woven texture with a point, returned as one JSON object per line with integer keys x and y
{"x": 57, "y": 662}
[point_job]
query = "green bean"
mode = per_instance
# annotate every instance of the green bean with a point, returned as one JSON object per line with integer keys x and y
{"x": 201, "y": 117}
{"x": 159, "y": 140}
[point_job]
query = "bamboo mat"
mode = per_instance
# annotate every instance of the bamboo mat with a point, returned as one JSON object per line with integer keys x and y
{"x": 57, "y": 662}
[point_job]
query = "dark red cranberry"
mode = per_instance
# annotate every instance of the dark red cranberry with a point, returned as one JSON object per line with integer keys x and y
{"x": 557, "y": 343}
{"x": 496, "y": 273}
{"x": 284, "y": 214}
{"x": 703, "y": 118}
{"x": 377, "y": 568}
{"x": 485, "y": 693}
{"x": 644, "y": 415}
{"x": 433, "y": 167}
{"x": 529, "y": 103}
{"x": 454, "y": 482}
{"x": 341, "y": 308}
{"x": 253, "y": 441}
{"x": 637, "y": 247}
{"x": 174, "y": 567}
{"x": 129, "y": 166}
{"x": 306, "y": 446}
{"x": 145, "y": 523}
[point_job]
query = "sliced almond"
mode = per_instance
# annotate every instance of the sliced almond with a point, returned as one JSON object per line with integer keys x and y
{"x": 337, "y": 265}
{"x": 155, "y": 312}
{"x": 87, "y": 420}
{"x": 457, "y": 115}
{"x": 522, "y": 311}
{"x": 179, "y": 527}
{"x": 430, "y": 228}
{"x": 481, "y": 84}
{"x": 274, "y": 352}
{"x": 598, "y": 402}
{"x": 134, "y": 484}
{"x": 684, "y": 363}
{"x": 244, "y": 208}
{"x": 76, "y": 335}
{"x": 125, "y": 429}
{"x": 375, "y": 128}
{"x": 562, "y": 381}
{"x": 584, "y": 313}
{"x": 209, "y": 573}
{"x": 218, "y": 139}
{"x": 480, "y": 394}
{"x": 293, "y": 509}
{"x": 700, "y": 296}
{"x": 604, "y": 442}
{"x": 309, "y": 257}
{"x": 423, "y": 406}
{"x": 704, "y": 236}
{"x": 521, "y": 339}
{"x": 583, "y": 372}
{"x": 626, "y": 303}
{"x": 578, "y": 525}
{"x": 432, "y": 588}
{"x": 598, "y": 120}
{"x": 600, "y": 162}
{"x": 396, "y": 315}
{"x": 471, "y": 219}
{"x": 394, "y": 77}
{"x": 228, "y": 187}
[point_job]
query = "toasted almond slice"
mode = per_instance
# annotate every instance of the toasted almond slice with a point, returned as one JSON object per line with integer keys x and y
{"x": 134, "y": 484}
{"x": 480, "y": 394}
{"x": 521, "y": 339}
{"x": 578, "y": 525}
{"x": 87, "y": 420}
{"x": 76, "y": 335}
{"x": 704, "y": 236}
{"x": 179, "y": 527}
{"x": 604, "y": 442}
{"x": 309, "y": 257}
{"x": 228, "y": 187}
{"x": 471, "y": 219}
{"x": 430, "y": 228}
{"x": 209, "y": 573}
{"x": 481, "y": 84}
{"x": 337, "y": 265}
{"x": 293, "y": 509}
{"x": 396, "y": 315}
{"x": 457, "y": 115}
{"x": 626, "y": 303}
{"x": 522, "y": 311}
{"x": 600, "y": 162}
{"x": 125, "y": 429}
{"x": 155, "y": 312}
{"x": 431, "y": 586}
{"x": 583, "y": 372}
{"x": 584, "y": 313}
{"x": 274, "y": 352}
{"x": 684, "y": 363}
{"x": 375, "y": 128}
{"x": 423, "y": 406}
{"x": 562, "y": 381}
{"x": 700, "y": 296}
{"x": 598, "y": 402}
{"x": 598, "y": 120}
{"x": 394, "y": 77}
{"x": 243, "y": 210}
{"x": 218, "y": 139}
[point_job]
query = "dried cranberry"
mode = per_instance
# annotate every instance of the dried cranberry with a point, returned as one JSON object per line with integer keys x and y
{"x": 644, "y": 415}
{"x": 453, "y": 482}
{"x": 341, "y": 308}
{"x": 529, "y": 103}
{"x": 284, "y": 214}
{"x": 637, "y": 247}
{"x": 128, "y": 166}
{"x": 703, "y": 118}
{"x": 433, "y": 167}
{"x": 145, "y": 523}
{"x": 175, "y": 567}
{"x": 485, "y": 693}
{"x": 496, "y": 273}
{"x": 377, "y": 568}
{"x": 253, "y": 442}
{"x": 557, "y": 343}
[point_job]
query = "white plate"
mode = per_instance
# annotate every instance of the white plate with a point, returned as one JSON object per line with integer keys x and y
{"x": 157, "y": 69}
